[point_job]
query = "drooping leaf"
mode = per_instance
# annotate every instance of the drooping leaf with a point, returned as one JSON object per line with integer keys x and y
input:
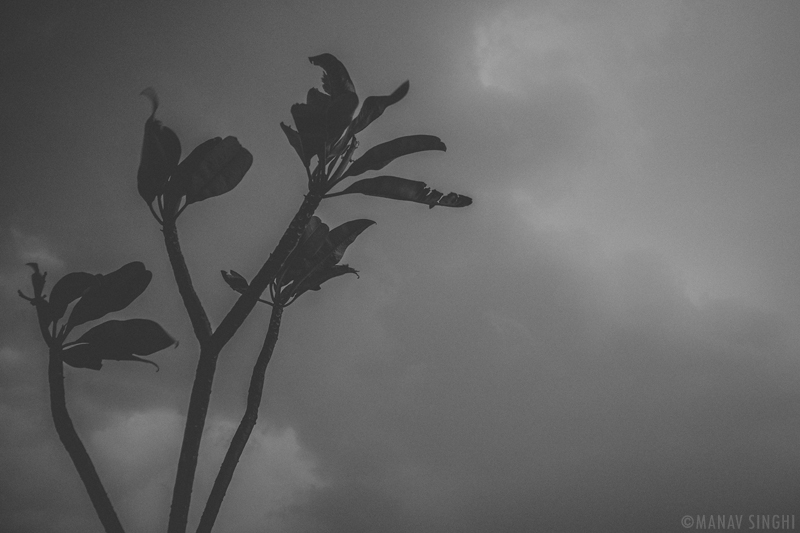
{"x": 403, "y": 189}
{"x": 320, "y": 276}
{"x": 235, "y": 281}
{"x": 381, "y": 155}
{"x": 330, "y": 253}
{"x": 296, "y": 142}
{"x": 110, "y": 293}
{"x": 218, "y": 169}
{"x": 68, "y": 289}
{"x": 335, "y": 79}
{"x": 374, "y": 106}
{"x": 161, "y": 151}
{"x": 137, "y": 336}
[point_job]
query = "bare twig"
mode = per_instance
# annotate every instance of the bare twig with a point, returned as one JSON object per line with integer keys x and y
{"x": 207, "y": 363}
{"x": 246, "y": 425}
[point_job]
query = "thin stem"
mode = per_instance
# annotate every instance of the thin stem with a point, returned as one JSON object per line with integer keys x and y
{"x": 197, "y": 315}
{"x": 207, "y": 362}
{"x": 77, "y": 452}
{"x": 246, "y": 425}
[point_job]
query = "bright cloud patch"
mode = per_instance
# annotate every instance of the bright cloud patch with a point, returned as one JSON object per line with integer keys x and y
{"x": 137, "y": 452}
{"x": 513, "y": 53}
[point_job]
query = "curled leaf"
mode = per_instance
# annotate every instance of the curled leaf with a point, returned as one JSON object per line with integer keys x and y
{"x": 110, "y": 293}
{"x": 381, "y": 155}
{"x": 161, "y": 151}
{"x": 68, "y": 289}
{"x": 219, "y": 165}
{"x": 403, "y": 189}
{"x": 335, "y": 79}
{"x": 374, "y": 106}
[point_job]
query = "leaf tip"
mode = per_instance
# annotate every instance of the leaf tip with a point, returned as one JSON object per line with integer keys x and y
{"x": 151, "y": 95}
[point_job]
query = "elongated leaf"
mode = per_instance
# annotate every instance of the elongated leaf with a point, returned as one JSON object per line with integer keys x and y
{"x": 92, "y": 355}
{"x": 374, "y": 106}
{"x": 67, "y": 290}
{"x": 219, "y": 170}
{"x": 137, "y": 336}
{"x": 161, "y": 151}
{"x": 320, "y": 276}
{"x": 84, "y": 356}
{"x": 403, "y": 189}
{"x": 331, "y": 251}
{"x": 235, "y": 281}
{"x": 379, "y": 156}
{"x": 338, "y": 117}
{"x": 335, "y": 80}
{"x": 112, "y": 292}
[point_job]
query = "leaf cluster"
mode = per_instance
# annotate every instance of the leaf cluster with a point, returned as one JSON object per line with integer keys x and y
{"x": 94, "y": 296}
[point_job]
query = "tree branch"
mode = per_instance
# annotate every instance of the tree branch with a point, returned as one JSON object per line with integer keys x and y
{"x": 197, "y": 315}
{"x": 207, "y": 363}
{"x": 246, "y": 425}
{"x": 77, "y": 452}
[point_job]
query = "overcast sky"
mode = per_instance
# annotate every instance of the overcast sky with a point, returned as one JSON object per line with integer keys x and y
{"x": 606, "y": 340}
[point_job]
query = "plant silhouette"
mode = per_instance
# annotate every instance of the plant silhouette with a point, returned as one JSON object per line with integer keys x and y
{"x": 308, "y": 254}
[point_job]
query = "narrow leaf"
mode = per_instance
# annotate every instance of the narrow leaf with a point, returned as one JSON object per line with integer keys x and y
{"x": 219, "y": 170}
{"x": 112, "y": 292}
{"x": 403, "y": 189}
{"x": 381, "y": 155}
{"x": 137, "y": 336}
{"x": 67, "y": 290}
{"x": 374, "y": 106}
{"x": 161, "y": 151}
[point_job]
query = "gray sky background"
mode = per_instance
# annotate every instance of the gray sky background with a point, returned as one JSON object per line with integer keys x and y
{"x": 606, "y": 340}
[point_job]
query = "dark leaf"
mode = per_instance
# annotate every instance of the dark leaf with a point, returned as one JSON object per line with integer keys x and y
{"x": 219, "y": 170}
{"x": 402, "y": 189}
{"x": 137, "y": 336}
{"x": 296, "y": 142}
{"x": 235, "y": 281}
{"x": 84, "y": 356}
{"x": 335, "y": 80}
{"x": 92, "y": 356}
{"x": 329, "y": 253}
{"x": 320, "y": 276}
{"x": 338, "y": 116}
{"x": 67, "y": 290}
{"x": 112, "y": 292}
{"x": 379, "y": 156}
{"x": 313, "y": 237}
{"x": 374, "y": 106}
{"x": 161, "y": 151}
{"x": 310, "y": 119}
{"x": 178, "y": 185}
